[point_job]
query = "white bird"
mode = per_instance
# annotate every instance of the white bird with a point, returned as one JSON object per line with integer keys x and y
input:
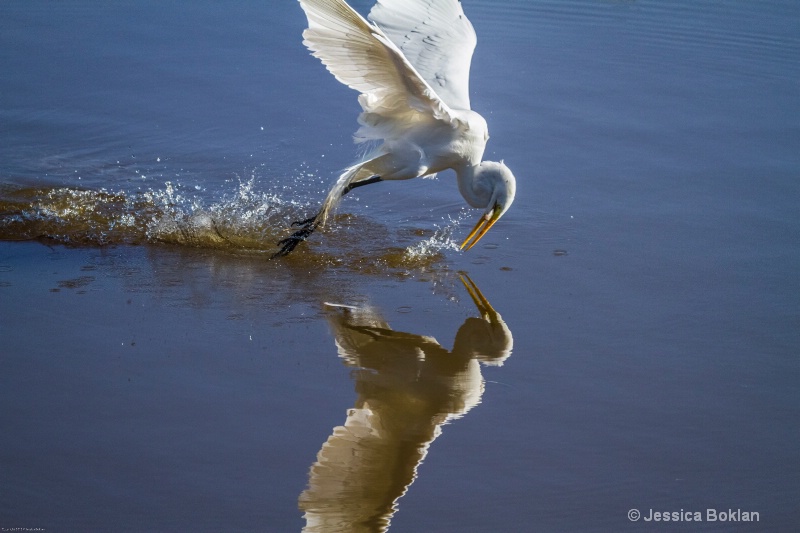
{"x": 410, "y": 61}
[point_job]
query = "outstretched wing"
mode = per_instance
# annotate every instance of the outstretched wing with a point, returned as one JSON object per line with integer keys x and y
{"x": 437, "y": 38}
{"x": 363, "y": 57}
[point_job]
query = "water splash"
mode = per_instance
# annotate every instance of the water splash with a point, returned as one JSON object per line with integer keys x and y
{"x": 245, "y": 220}
{"x": 436, "y": 244}
{"x": 248, "y": 220}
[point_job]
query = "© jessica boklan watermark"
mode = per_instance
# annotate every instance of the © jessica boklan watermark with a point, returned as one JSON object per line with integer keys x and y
{"x": 708, "y": 515}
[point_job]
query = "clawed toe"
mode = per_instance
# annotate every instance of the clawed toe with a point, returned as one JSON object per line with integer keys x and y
{"x": 290, "y": 243}
{"x": 287, "y": 245}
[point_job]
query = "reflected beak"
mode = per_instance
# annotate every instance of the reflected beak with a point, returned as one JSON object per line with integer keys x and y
{"x": 483, "y": 225}
{"x": 484, "y": 307}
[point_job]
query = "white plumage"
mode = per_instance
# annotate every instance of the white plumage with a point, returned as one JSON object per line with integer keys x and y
{"x": 437, "y": 38}
{"x": 410, "y": 65}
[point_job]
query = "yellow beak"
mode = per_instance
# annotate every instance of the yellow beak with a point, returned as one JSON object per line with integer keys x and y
{"x": 483, "y": 225}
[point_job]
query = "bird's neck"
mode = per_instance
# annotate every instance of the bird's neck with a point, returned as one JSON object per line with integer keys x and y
{"x": 471, "y": 187}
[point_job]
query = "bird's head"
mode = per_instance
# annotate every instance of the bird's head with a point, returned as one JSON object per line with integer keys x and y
{"x": 499, "y": 182}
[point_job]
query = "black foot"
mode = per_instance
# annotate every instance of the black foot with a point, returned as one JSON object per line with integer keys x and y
{"x": 290, "y": 243}
{"x": 308, "y": 225}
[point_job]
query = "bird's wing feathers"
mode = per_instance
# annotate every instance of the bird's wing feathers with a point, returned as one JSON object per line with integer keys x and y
{"x": 364, "y": 58}
{"x": 437, "y": 38}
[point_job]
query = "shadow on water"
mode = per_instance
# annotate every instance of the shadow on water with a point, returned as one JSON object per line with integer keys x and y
{"x": 245, "y": 223}
{"x": 408, "y": 387}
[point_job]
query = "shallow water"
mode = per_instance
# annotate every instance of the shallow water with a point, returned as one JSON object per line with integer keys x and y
{"x": 158, "y": 372}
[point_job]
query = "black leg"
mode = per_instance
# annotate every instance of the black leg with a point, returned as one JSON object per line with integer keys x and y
{"x": 368, "y": 181}
{"x": 304, "y": 222}
{"x": 308, "y": 225}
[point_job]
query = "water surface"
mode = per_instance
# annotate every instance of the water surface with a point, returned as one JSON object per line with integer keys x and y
{"x": 158, "y": 372}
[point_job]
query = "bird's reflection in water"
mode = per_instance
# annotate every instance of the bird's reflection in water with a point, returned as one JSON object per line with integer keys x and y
{"x": 408, "y": 386}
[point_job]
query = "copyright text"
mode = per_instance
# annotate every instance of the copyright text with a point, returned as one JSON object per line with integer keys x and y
{"x": 709, "y": 515}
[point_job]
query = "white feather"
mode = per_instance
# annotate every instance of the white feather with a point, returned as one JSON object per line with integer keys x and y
{"x": 411, "y": 66}
{"x": 360, "y": 55}
{"x": 437, "y": 38}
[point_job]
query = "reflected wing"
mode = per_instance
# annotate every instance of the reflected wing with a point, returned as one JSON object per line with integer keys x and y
{"x": 362, "y": 470}
{"x": 362, "y": 57}
{"x": 437, "y": 38}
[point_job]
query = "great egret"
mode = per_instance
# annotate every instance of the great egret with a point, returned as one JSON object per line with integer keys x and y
{"x": 410, "y": 61}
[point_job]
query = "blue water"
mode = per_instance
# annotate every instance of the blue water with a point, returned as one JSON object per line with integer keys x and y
{"x": 157, "y": 372}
